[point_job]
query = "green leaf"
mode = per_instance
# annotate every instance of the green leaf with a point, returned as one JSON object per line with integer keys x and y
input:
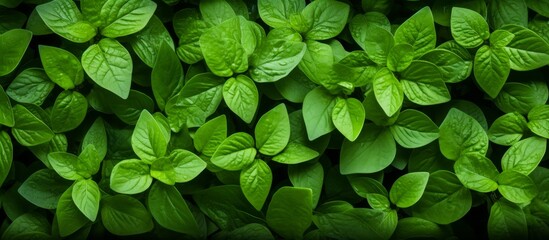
{"x": 423, "y": 84}
{"x": 124, "y": 215}
{"x": 400, "y": 57}
{"x": 69, "y": 166}
{"x": 109, "y": 65}
{"x": 28, "y": 226}
{"x": 241, "y": 96}
{"x": 508, "y": 12}
{"x": 362, "y": 22}
{"x": 272, "y": 131}
{"x": 521, "y": 97}
{"x": 148, "y": 140}
{"x": 189, "y": 26}
{"x": 68, "y": 112}
{"x": 491, "y": 69}
{"x": 326, "y": 19}
{"x": 388, "y": 91}
{"x": 500, "y": 38}
{"x": 476, "y": 172}
{"x": 255, "y": 181}
{"x": 171, "y": 211}
{"x": 32, "y": 86}
{"x": 166, "y": 76}
{"x": 251, "y": 231}
{"x": 454, "y": 69}
{"x": 414, "y": 227}
{"x": 6, "y": 112}
{"x": 61, "y": 66}
{"x": 86, "y": 196}
{"x": 469, "y": 28}
{"x": 460, "y": 134}
{"x": 6, "y": 155}
{"x": 181, "y": 166}
{"x": 277, "y": 14}
{"x": 120, "y": 18}
{"x": 308, "y": 176}
{"x": 414, "y": 129}
{"x": 371, "y": 152}
{"x": 69, "y": 218}
{"x": 408, "y": 189}
{"x": 318, "y": 63}
{"x": 215, "y": 12}
{"x": 348, "y": 117}
{"x": 147, "y": 44}
{"x": 428, "y": 159}
{"x": 208, "y": 137}
{"x": 290, "y": 212}
{"x": 524, "y": 156}
{"x": 64, "y": 19}
{"x": 317, "y": 112}
{"x": 13, "y": 45}
{"x": 507, "y": 221}
{"x": 44, "y": 188}
{"x": 418, "y": 31}
{"x": 275, "y": 59}
{"x": 516, "y": 187}
{"x": 538, "y": 120}
{"x": 527, "y": 50}
{"x": 357, "y": 223}
{"x": 507, "y": 129}
{"x": 96, "y": 136}
{"x": 29, "y": 130}
{"x": 378, "y": 44}
{"x": 235, "y": 152}
{"x": 295, "y": 86}
{"x": 445, "y": 199}
{"x": 57, "y": 144}
{"x": 130, "y": 177}
{"x": 295, "y": 153}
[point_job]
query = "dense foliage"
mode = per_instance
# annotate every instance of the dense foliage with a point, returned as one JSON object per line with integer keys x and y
{"x": 233, "y": 119}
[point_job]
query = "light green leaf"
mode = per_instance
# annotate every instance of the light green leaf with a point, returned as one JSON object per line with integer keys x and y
{"x": 66, "y": 165}
{"x": 124, "y": 215}
{"x": 326, "y": 19}
{"x": 308, "y": 176}
{"x": 295, "y": 153}
{"x": 418, "y": 31}
{"x": 408, "y": 189}
{"x": 507, "y": 129}
{"x": 235, "y": 152}
{"x": 68, "y": 112}
{"x": 180, "y": 166}
{"x": 361, "y": 22}
{"x": 44, "y": 188}
{"x": 277, "y": 14}
{"x": 216, "y": 12}
{"x": 318, "y": 62}
{"x": 460, "y": 134}
{"x": 400, "y": 57}
{"x": 454, "y": 69}
{"x": 171, "y": 211}
{"x": 117, "y": 18}
{"x": 272, "y": 131}
{"x": 86, "y": 196}
{"x": 96, "y": 136}
{"x": 500, "y": 38}
{"x": 208, "y": 137}
{"x": 13, "y": 45}
{"x": 29, "y": 130}
{"x": 516, "y": 187}
{"x": 538, "y": 120}
{"x": 524, "y": 156}
{"x": 295, "y": 86}
{"x": 290, "y": 212}
{"x": 521, "y": 97}
{"x": 491, "y": 69}
{"x": 166, "y": 76}
{"x": 414, "y": 129}
{"x": 61, "y": 66}
{"x": 372, "y": 151}
{"x": 388, "y": 91}
{"x": 507, "y": 221}
{"x": 148, "y": 139}
{"x": 6, "y": 156}
{"x": 255, "y": 181}
{"x": 148, "y": 42}
{"x": 527, "y": 50}
{"x": 476, "y": 172}
{"x": 241, "y": 96}
{"x": 317, "y": 112}
{"x": 423, "y": 84}
{"x": 69, "y": 218}
{"x": 348, "y": 117}
{"x": 504, "y": 12}
{"x": 378, "y": 44}
{"x": 130, "y": 177}
{"x": 469, "y": 28}
{"x": 64, "y": 19}
{"x": 275, "y": 59}
{"x": 109, "y": 65}
{"x": 444, "y": 194}
{"x": 32, "y": 86}
{"x": 189, "y": 26}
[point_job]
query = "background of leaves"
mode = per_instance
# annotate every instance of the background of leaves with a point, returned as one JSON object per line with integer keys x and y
{"x": 233, "y": 119}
